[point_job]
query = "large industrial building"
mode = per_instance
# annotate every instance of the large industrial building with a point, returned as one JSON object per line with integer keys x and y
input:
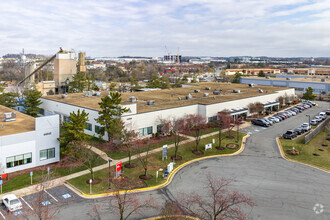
{"x": 147, "y": 108}
{"x": 27, "y": 142}
{"x": 65, "y": 66}
{"x": 319, "y": 85}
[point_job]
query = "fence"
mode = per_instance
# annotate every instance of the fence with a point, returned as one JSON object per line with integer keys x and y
{"x": 317, "y": 130}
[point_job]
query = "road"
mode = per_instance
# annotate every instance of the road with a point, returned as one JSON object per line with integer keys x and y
{"x": 282, "y": 189}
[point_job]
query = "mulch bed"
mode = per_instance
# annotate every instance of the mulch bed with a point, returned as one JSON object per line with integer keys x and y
{"x": 94, "y": 182}
{"x": 220, "y": 148}
{"x": 198, "y": 152}
{"x": 176, "y": 158}
{"x": 324, "y": 145}
{"x": 316, "y": 154}
{"x": 230, "y": 137}
{"x": 132, "y": 165}
{"x": 232, "y": 146}
{"x": 321, "y": 150}
{"x": 293, "y": 152}
{"x": 145, "y": 177}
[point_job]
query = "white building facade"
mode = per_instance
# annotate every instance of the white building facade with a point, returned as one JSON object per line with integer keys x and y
{"x": 31, "y": 149}
{"x": 146, "y": 123}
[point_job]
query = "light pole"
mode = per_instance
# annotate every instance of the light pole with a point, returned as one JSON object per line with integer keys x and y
{"x": 109, "y": 171}
{"x": 309, "y": 119}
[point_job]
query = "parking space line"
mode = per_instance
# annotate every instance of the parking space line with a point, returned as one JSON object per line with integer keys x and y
{"x": 50, "y": 195}
{"x": 2, "y": 215}
{"x": 26, "y": 203}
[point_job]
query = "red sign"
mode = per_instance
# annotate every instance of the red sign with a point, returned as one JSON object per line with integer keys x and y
{"x": 118, "y": 166}
{"x": 3, "y": 176}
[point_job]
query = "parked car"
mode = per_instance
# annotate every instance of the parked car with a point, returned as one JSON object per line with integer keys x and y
{"x": 306, "y": 126}
{"x": 276, "y": 120}
{"x": 312, "y": 103}
{"x": 318, "y": 118}
{"x": 292, "y": 112}
{"x": 323, "y": 115}
{"x": 299, "y": 131}
{"x": 278, "y": 117}
{"x": 260, "y": 122}
{"x": 328, "y": 112}
{"x": 290, "y": 134}
{"x": 314, "y": 122}
{"x": 267, "y": 120}
{"x": 11, "y": 202}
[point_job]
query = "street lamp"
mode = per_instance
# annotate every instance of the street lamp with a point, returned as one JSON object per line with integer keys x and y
{"x": 309, "y": 118}
{"x": 110, "y": 160}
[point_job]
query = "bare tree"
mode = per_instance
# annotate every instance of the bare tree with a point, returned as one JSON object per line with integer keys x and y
{"x": 218, "y": 202}
{"x": 223, "y": 122}
{"x": 143, "y": 157}
{"x": 83, "y": 152}
{"x": 259, "y": 107}
{"x": 127, "y": 141}
{"x": 196, "y": 124}
{"x": 125, "y": 202}
{"x": 174, "y": 127}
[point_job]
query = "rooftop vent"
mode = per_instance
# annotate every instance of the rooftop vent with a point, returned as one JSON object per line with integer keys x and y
{"x": 215, "y": 92}
{"x": 207, "y": 88}
{"x": 197, "y": 90}
{"x": 189, "y": 96}
{"x": 323, "y": 80}
{"x": 179, "y": 98}
{"x": 150, "y": 102}
{"x": 206, "y": 94}
{"x": 11, "y": 116}
{"x": 65, "y": 96}
{"x": 96, "y": 94}
{"x": 251, "y": 85}
{"x": 288, "y": 78}
{"x": 132, "y": 99}
{"x": 260, "y": 90}
{"x": 236, "y": 91}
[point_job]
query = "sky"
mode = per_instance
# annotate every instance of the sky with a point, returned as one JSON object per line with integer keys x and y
{"x": 279, "y": 28}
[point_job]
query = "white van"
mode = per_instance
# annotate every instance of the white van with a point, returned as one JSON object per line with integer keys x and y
{"x": 323, "y": 115}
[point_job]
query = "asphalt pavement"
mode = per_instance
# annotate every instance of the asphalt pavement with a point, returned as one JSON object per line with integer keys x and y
{"x": 281, "y": 189}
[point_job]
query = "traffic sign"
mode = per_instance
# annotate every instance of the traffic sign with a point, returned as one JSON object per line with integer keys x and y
{"x": 31, "y": 173}
{"x": 1, "y": 181}
{"x": 164, "y": 152}
{"x": 118, "y": 166}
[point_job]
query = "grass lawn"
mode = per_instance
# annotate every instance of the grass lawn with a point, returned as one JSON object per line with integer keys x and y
{"x": 155, "y": 162}
{"x": 203, "y": 132}
{"x": 307, "y": 150}
{"x": 24, "y": 180}
{"x": 122, "y": 154}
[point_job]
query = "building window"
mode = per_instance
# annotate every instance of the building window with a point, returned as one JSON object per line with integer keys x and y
{"x": 47, "y": 154}
{"x": 88, "y": 126}
{"x": 66, "y": 118}
{"x": 97, "y": 128}
{"x": 212, "y": 119}
{"x": 145, "y": 131}
{"x": 19, "y": 160}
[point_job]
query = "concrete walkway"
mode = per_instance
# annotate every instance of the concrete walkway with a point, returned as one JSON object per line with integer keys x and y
{"x": 59, "y": 181}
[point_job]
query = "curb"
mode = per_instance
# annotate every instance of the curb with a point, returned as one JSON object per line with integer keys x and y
{"x": 171, "y": 216}
{"x": 279, "y": 145}
{"x": 169, "y": 179}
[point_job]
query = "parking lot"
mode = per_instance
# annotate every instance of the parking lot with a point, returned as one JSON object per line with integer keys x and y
{"x": 45, "y": 203}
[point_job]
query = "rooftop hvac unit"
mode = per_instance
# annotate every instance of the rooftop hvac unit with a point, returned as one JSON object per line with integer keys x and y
{"x": 251, "y": 85}
{"x": 150, "y": 102}
{"x": 323, "y": 80}
{"x": 215, "y": 92}
{"x": 288, "y": 78}
{"x": 189, "y": 96}
{"x": 260, "y": 90}
{"x": 132, "y": 99}
{"x": 197, "y": 90}
{"x": 206, "y": 94}
{"x": 236, "y": 91}
{"x": 11, "y": 116}
{"x": 207, "y": 88}
{"x": 65, "y": 96}
{"x": 96, "y": 94}
{"x": 179, "y": 98}
{"x": 88, "y": 93}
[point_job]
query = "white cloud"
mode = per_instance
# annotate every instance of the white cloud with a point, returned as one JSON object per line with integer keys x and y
{"x": 144, "y": 27}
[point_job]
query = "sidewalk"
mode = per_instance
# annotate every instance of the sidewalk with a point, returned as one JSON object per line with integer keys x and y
{"x": 59, "y": 181}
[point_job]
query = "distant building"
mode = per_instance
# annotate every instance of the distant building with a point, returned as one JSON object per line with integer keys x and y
{"x": 81, "y": 62}
{"x": 310, "y": 71}
{"x": 252, "y": 71}
{"x": 299, "y": 84}
{"x": 27, "y": 142}
{"x": 172, "y": 58}
{"x": 65, "y": 66}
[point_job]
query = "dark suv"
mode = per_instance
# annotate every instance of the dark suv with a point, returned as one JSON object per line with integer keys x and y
{"x": 290, "y": 134}
{"x": 259, "y": 122}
